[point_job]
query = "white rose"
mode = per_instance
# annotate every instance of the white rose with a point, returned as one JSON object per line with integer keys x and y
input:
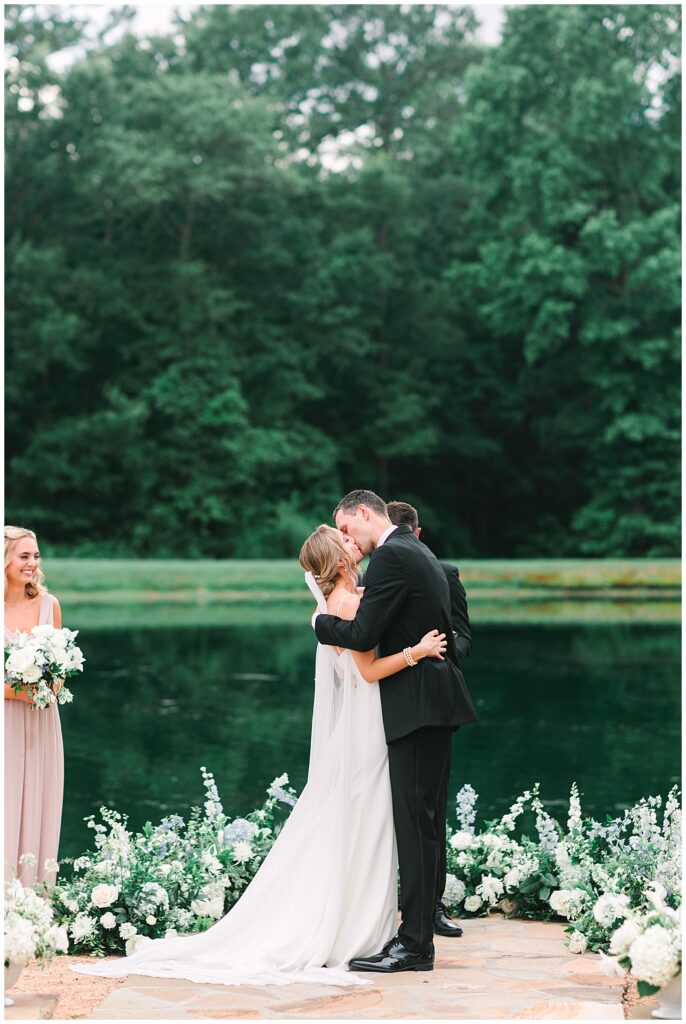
{"x": 151, "y": 919}
{"x": 127, "y": 930}
{"x": 108, "y": 920}
{"x": 577, "y": 942}
{"x": 104, "y": 895}
{"x": 19, "y": 662}
{"x": 623, "y": 937}
{"x": 472, "y": 903}
{"x": 461, "y": 840}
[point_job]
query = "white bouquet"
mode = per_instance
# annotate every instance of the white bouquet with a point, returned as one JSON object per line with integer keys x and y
{"x": 35, "y": 661}
{"x": 30, "y": 928}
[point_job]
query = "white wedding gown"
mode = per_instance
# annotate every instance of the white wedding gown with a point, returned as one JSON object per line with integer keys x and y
{"x": 327, "y": 890}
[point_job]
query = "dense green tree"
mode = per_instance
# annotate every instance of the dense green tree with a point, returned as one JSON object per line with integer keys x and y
{"x": 283, "y": 251}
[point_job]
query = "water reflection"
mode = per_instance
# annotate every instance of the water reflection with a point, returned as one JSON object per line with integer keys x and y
{"x": 598, "y": 704}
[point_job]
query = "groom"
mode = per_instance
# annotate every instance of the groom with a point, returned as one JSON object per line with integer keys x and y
{"x": 406, "y": 595}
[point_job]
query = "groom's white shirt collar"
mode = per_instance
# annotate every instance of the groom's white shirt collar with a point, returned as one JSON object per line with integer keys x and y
{"x": 385, "y": 535}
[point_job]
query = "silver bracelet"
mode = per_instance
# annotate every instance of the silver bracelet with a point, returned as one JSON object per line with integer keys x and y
{"x": 407, "y": 651}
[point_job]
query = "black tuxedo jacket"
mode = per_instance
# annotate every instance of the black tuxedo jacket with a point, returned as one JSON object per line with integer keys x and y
{"x": 406, "y": 595}
{"x": 459, "y": 614}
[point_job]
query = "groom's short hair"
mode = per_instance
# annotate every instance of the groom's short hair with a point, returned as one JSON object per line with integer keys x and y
{"x": 401, "y": 513}
{"x": 354, "y": 498}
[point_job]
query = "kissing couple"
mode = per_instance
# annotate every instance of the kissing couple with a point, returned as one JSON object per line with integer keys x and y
{"x": 388, "y": 695}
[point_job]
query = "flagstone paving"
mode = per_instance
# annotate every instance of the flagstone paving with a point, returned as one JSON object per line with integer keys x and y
{"x": 500, "y": 969}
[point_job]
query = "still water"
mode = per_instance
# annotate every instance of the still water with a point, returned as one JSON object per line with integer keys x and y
{"x": 599, "y": 704}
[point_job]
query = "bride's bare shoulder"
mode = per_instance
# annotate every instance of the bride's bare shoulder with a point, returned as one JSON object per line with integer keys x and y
{"x": 342, "y": 603}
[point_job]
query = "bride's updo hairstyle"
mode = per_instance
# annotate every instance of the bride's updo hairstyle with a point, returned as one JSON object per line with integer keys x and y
{"x": 35, "y": 585}
{"x": 320, "y": 555}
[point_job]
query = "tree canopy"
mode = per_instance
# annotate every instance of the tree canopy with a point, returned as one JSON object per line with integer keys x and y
{"x": 283, "y": 251}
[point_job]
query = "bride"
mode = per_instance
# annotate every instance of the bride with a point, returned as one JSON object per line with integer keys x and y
{"x": 327, "y": 891}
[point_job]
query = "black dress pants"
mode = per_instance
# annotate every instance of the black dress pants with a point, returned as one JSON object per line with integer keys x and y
{"x": 442, "y": 814}
{"x": 417, "y": 764}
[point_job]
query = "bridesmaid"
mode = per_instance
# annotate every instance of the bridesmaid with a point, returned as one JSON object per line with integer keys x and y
{"x": 34, "y": 757}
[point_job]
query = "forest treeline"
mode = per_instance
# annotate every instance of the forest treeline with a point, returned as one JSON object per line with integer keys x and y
{"x": 283, "y": 251}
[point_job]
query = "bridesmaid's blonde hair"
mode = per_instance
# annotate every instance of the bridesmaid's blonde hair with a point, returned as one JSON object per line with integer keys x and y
{"x": 35, "y": 585}
{"x": 320, "y": 555}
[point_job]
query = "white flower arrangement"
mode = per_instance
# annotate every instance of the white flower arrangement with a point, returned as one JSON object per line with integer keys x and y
{"x": 177, "y": 876}
{"x": 30, "y": 928}
{"x": 648, "y": 944}
{"x": 35, "y": 661}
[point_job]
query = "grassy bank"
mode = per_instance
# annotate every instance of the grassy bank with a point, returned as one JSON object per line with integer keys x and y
{"x": 283, "y": 577}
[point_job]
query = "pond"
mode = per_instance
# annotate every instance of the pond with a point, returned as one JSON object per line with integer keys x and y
{"x": 557, "y": 703}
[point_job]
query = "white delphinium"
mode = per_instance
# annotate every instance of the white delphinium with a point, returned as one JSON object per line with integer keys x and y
{"x": 574, "y": 819}
{"x": 547, "y": 828}
{"x": 465, "y": 808}
{"x": 508, "y": 821}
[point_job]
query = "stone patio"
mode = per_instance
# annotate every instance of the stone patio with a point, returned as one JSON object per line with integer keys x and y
{"x": 500, "y": 969}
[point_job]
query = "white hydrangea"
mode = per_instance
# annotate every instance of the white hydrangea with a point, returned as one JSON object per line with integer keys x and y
{"x": 58, "y": 938}
{"x": 577, "y": 942}
{"x": 20, "y": 938}
{"x": 127, "y": 930}
{"x": 624, "y": 936}
{"x": 564, "y": 901}
{"x": 81, "y": 927}
{"x": 609, "y": 907}
{"x": 462, "y": 840}
{"x": 654, "y": 957}
{"x": 454, "y": 890}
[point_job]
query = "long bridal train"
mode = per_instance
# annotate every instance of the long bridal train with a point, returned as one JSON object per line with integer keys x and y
{"x": 327, "y": 890}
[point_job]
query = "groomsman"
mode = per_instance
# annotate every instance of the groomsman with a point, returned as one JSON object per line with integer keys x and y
{"x": 401, "y": 513}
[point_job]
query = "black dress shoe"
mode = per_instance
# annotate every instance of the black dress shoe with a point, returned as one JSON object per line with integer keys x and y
{"x": 394, "y": 957}
{"x": 444, "y": 925}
